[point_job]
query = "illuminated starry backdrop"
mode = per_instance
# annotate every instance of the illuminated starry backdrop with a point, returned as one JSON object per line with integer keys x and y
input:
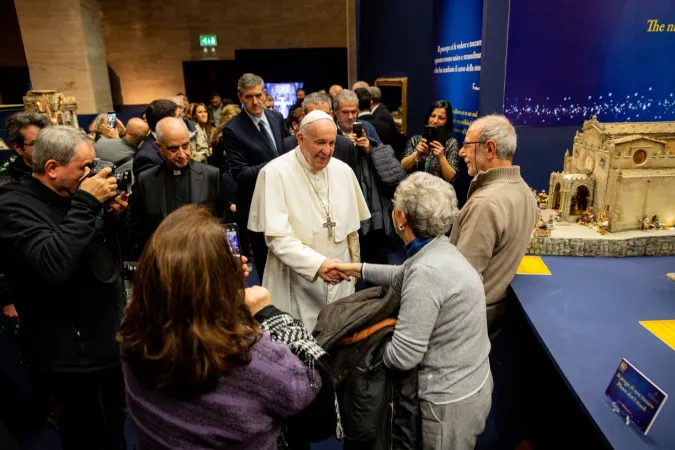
{"x": 570, "y": 59}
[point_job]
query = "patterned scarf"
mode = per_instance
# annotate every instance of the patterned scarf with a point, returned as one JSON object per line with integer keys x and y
{"x": 284, "y": 328}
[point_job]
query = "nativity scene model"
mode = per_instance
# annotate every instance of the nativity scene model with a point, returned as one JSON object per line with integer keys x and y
{"x": 615, "y": 195}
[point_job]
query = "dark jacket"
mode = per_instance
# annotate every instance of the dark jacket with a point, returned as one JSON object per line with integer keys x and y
{"x": 148, "y": 156}
{"x": 384, "y": 131}
{"x": 248, "y": 152}
{"x": 383, "y": 113}
{"x": 379, "y": 174}
{"x": 62, "y": 263}
{"x": 345, "y": 150}
{"x": 148, "y": 202}
{"x": 378, "y": 407}
{"x": 15, "y": 169}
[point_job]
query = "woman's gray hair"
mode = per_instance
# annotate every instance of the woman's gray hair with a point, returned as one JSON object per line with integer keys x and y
{"x": 429, "y": 204}
{"x": 57, "y": 143}
{"x": 249, "y": 80}
{"x": 497, "y": 128}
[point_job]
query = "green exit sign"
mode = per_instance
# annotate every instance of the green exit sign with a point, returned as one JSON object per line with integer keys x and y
{"x": 208, "y": 40}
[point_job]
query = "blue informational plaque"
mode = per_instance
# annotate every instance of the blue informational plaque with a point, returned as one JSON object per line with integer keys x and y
{"x": 635, "y": 396}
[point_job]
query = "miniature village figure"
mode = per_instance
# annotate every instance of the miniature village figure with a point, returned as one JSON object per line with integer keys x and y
{"x": 645, "y": 223}
{"x": 542, "y": 197}
{"x": 656, "y": 223}
{"x": 602, "y": 222}
{"x": 587, "y": 217}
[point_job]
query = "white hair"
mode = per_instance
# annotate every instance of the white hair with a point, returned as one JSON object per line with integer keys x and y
{"x": 497, "y": 128}
{"x": 429, "y": 204}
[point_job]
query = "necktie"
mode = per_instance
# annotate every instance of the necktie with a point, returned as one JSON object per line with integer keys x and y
{"x": 268, "y": 137}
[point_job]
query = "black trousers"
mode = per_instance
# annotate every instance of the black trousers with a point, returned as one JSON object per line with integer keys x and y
{"x": 375, "y": 246}
{"x": 259, "y": 247}
{"x": 89, "y": 408}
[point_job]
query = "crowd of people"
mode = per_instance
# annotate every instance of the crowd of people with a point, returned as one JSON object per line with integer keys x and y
{"x": 193, "y": 357}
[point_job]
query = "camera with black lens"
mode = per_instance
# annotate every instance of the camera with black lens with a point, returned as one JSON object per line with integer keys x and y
{"x": 123, "y": 178}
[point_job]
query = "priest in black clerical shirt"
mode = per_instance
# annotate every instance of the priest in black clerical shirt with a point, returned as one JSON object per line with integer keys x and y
{"x": 176, "y": 182}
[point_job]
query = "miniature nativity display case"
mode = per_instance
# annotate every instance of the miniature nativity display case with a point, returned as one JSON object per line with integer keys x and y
{"x": 58, "y": 108}
{"x": 615, "y": 195}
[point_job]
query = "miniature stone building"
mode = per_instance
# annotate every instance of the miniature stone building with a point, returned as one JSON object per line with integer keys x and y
{"x": 627, "y": 169}
{"x": 58, "y": 108}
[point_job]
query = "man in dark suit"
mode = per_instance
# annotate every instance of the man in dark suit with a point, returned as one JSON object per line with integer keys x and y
{"x": 379, "y": 109}
{"x": 148, "y": 154}
{"x": 176, "y": 182}
{"x": 384, "y": 131}
{"x": 252, "y": 139}
{"x": 344, "y": 148}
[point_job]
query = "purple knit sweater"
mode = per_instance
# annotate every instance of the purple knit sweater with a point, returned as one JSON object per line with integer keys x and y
{"x": 245, "y": 411}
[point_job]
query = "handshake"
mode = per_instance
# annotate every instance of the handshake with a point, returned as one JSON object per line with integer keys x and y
{"x": 333, "y": 271}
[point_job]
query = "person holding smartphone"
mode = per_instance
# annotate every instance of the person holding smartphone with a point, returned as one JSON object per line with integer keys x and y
{"x": 436, "y": 151}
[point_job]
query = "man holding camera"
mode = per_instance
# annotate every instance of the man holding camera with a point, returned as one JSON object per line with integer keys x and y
{"x": 61, "y": 260}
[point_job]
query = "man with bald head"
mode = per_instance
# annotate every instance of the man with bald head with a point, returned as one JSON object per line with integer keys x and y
{"x": 176, "y": 182}
{"x": 309, "y": 206}
{"x": 121, "y": 152}
{"x": 360, "y": 84}
{"x": 334, "y": 90}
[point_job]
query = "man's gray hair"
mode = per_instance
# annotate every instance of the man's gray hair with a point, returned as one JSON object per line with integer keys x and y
{"x": 316, "y": 98}
{"x": 345, "y": 95}
{"x": 57, "y": 143}
{"x": 497, "y": 128}
{"x": 375, "y": 94}
{"x": 429, "y": 204}
{"x": 249, "y": 80}
{"x": 159, "y": 132}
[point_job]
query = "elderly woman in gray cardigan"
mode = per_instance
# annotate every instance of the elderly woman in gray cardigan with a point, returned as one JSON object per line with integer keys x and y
{"x": 441, "y": 323}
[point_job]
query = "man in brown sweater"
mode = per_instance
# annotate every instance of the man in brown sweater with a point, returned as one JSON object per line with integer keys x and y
{"x": 493, "y": 229}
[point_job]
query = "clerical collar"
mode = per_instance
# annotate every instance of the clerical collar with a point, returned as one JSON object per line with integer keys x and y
{"x": 303, "y": 162}
{"x": 177, "y": 172}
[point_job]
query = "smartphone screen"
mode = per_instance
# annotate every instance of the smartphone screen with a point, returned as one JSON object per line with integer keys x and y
{"x": 232, "y": 235}
{"x": 429, "y": 133}
{"x": 112, "y": 118}
{"x": 357, "y": 129}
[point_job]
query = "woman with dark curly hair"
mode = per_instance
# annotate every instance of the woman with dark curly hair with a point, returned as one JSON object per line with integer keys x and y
{"x": 200, "y": 371}
{"x": 440, "y": 156}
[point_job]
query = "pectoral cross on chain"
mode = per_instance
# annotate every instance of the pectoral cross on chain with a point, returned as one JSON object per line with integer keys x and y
{"x": 329, "y": 225}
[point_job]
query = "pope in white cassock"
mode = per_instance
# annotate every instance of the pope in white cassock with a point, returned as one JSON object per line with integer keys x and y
{"x": 310, "y": 207}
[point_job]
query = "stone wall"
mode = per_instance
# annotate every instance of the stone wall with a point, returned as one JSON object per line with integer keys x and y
{"x": 644, "y": 246}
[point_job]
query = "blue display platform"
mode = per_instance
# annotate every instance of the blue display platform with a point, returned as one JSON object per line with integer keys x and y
{"x": 586, "y": 316}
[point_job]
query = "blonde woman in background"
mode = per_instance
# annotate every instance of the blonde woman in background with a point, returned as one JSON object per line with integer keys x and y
{"x": 217, "y": 159}
{"x": 99, "y": 127}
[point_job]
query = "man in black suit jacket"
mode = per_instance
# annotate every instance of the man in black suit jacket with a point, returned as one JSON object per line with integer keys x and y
{"x": 177, "y": 181}
{"x": 148, "y": 154}
{"x": 379, "y": 109}
{"x": 345, "y": 150}
{"x": 384, "y": 131}
{"x": 252, "y": 139}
